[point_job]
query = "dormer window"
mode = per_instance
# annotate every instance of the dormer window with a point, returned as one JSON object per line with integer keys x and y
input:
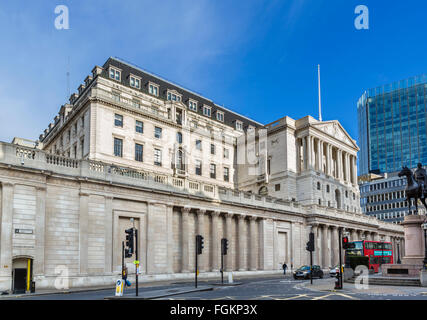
{"x": 220, "y": 116}
{"x": 153, "y": 89}
{"x": 239, "y": 125}
{"x": 174, "y": 96}
{"x": 207, "y": 111}
{"x": 115, "y": 74}
{"x": 135, "y": 82}
{"x": 192, "y": 105}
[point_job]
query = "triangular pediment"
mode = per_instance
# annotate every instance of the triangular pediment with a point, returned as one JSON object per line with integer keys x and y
{"x": 334, "y": 129}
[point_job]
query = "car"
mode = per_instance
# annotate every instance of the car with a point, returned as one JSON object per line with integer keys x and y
{"x": 304, "y": 272}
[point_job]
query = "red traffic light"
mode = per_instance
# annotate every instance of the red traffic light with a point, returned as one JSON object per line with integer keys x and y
{"x": 345, "y": 240}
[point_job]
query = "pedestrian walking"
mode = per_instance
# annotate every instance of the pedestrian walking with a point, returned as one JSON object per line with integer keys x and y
{"x": 285, "y": 266}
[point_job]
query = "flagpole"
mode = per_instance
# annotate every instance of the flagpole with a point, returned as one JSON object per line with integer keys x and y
{"x": 320, "y": 98}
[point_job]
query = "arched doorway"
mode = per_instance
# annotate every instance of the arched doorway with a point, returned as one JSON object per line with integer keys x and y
{"x": 22, "y": 274}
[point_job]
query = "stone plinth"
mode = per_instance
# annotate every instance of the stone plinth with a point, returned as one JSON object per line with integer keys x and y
{"x": 414, "y": 240}
{"x": 401, "y": 270}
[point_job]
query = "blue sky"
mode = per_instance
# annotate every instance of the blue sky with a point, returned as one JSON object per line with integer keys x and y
{"x": 258, "y": 58}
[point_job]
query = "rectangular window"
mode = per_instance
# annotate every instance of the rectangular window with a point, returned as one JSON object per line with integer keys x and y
{"x": 158, "y": 133}
{"x": 83, "y": 121}
{"x": 239, "y": 125}
{"x": 212, "y": 148}
{"x": 138, "y": 152}
{"x": 135, "y": 82}
{"x": 139, "y": 126}
{"x": 118, "y": 147}
{"x": 192, "y": 105}
{"x": 115, "y": 74}
{"x": 220, "y": 116}
{"x": 153, "y": 89}
{"x": 173, "y": 97}
{"x": 213, "y": 171}
{"x": 277, "y": 187}
{"x": 198, "y": 167}
{"x": 118, "y": 120}
{"x": 207, "y": 111}
{"x": 199, "y": 144}
{"x": 75, "y": 151}
{"x": 158, "y": 157}
{"x": 226, "y": 174}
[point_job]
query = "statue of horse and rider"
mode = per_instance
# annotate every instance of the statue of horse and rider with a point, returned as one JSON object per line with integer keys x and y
{"x": 416, "y": 186}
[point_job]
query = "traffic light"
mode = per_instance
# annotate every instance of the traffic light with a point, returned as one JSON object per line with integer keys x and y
{"x": 199, "y": 244}
{"x": 345, "y": 243}
{"x": 129, "y": 243}
{"x": 224, "y": 246}
{"x": 310, "y": 243}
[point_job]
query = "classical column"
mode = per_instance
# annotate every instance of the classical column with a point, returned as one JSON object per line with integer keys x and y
{"x": 339, "y": 160}
{"x": 151, "y": 237}
{"x": 242, "y": 242}
{"x": 353, "y": 235}
{"x": 354, "y": 170}
{"x": 200, "y": 229}
{"x": 228, "y": 259}
{"x": 304, "y": 154}
{"x": 314, "y": 229}
{"x": 329, "y": 160}
{"x": 253, "y": 243}
{"x": 6, "y": 235}
{"x": 325, "y": 249}
{"x": 335, "y": 246}
{"x": 170, "y": 242}
{"x": 185, "y": 240}
{"x": 108, "y": 263}
{"x": 347, "y": 167}
{"x": 309, "y": 153}
{"x": 321, "y": 156}
{"x": 317, "y": 167}
{"x": 216, "y": 254}
{"x": 83, "y": 231}
{"x": 40, "y": 232}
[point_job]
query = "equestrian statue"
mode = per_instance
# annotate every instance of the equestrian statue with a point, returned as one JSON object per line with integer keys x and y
{"x": 416, "y": 186}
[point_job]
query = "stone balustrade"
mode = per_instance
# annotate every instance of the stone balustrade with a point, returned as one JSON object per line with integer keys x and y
{"x": 15, "y": 155}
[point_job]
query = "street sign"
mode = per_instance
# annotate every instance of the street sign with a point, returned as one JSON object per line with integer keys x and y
{"x": 119, "y": 288}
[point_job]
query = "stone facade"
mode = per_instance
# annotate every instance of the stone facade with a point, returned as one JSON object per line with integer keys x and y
{"x": 77, "y": 211}
{"x": 66, "y": 203}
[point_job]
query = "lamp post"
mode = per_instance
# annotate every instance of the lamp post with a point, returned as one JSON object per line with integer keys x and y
{"x": 425, "y": 245}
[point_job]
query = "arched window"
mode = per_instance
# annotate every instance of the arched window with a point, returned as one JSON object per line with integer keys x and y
{"x": 179, "y": 137}
{"x": 263, "y": 191}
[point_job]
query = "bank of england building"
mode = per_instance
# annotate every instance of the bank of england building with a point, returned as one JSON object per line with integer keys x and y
{"x": 133, "y": 149}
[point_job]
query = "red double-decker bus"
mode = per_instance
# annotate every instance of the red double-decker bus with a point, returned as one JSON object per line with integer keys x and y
{"x": 378, "y": 252}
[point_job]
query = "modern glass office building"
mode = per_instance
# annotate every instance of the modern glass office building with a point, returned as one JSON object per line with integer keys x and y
{"x": 392, "y": 134}
{"x": 392, "y": 126}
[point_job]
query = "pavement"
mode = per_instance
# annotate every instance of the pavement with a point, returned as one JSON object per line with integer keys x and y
{"x": 365, "y": 290}
{"x": 155, "y": 294}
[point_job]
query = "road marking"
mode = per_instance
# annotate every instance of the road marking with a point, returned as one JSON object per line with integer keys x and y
{"x": 295, "y": 297}
{"x": 321, "y": 297}
{"x": 223, "y": 298}
{"x": 346, "y": 296}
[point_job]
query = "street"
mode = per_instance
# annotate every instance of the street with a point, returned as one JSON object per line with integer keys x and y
{"x": 270, "y": 288}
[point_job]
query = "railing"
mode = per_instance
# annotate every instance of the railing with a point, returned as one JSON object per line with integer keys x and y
{"x": 61, "y": 161}
{"x": 37, "y": 159}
